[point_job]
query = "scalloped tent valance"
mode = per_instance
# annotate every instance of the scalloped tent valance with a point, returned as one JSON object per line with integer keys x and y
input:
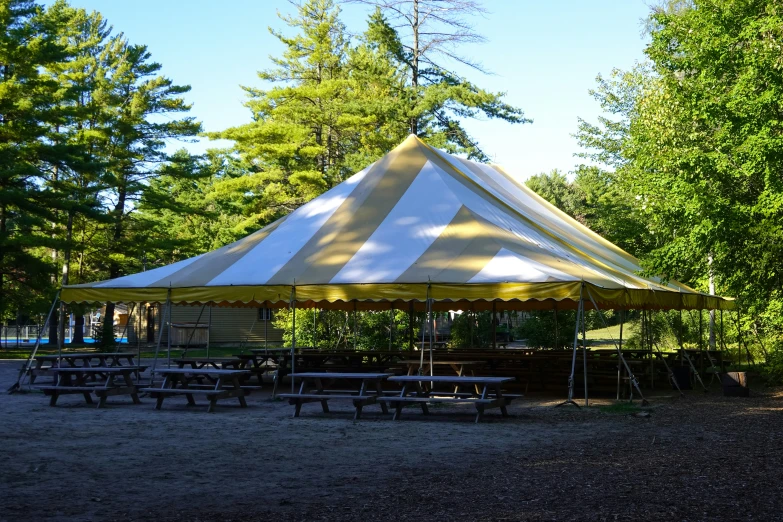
{"x": 417, "y": 224}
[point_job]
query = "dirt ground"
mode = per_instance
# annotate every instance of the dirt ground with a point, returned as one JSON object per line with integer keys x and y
{"x": 704, "y": 457}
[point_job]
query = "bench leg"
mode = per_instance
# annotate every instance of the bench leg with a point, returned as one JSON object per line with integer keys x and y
{"x": 379, "y": 389}
{"x": 159, "y": 402}
{"x": 53, "y": 399}
{"x": 397, "y": 411}
{"x": 191, "y": 400}
{"x": 479, "y": 412}
{"x": 212, "y": 402}
{"x": 101, "y": 401}
{"x": 503, "y": 402}
{"x": 298, "y": 408}
{"x": 87, "y": 397}
{"x": 358, "y": 414}
{"x": 135, "y": 397}
{"x": 325, "y": 406}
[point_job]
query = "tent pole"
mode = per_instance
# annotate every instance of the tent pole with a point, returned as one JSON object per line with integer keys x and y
{"x": 267, "y": 314}
{"x": 160, "y": 337}
{"x": 355, "y": 326}
{"x": 391, "y": 325}
{"x": 26, "y": 366}
{"x": 650, "y": 338}
{"x": 584, "y": 350}
{"x": 556, "y": 344}
{"x": 209, "y": 327}
{"x": 494, "y": 326}
{"x": 190, "y": 337}
{"x": 127, "y": 323}
{"x": 168, "y": 335}
{"x": 570, "y": 399}
{"x": 411, "y": 340}
{"x": 432, "y": 328}
{"x": 619, "y": 368}
{"x": 138, "y": 340}
{"x": 472, "y": 317}
{"x": 423, "y": 332}
{"x": 634, "y": 382}
{"x": 292, "y": 307}
{"x": 315, "y": 328}
{"x": 701, "y": 342}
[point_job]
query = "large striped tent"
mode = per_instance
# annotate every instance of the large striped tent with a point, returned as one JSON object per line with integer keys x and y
{"x": 417, "y": 224}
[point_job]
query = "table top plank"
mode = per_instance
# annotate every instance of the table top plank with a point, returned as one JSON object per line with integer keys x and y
{"x": 450, "y": 379}
{"x": 335, "y": 375}
{"x": 439, "y": 362}
{"x": 85, "y": 355}
{"x": 99, "y": 369}
{"x": 200, "y": 371}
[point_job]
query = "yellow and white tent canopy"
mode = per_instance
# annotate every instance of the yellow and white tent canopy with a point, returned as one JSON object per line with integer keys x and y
{"x": 418, "y": 223}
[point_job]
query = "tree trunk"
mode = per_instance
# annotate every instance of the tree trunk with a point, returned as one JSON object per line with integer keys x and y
{"x": 78, "y": 330}
{"x": 415, "y": 66}
{"x": 712, "y": 312}
{"x": 114, "y": 268}
{"x": 66, "y": 269}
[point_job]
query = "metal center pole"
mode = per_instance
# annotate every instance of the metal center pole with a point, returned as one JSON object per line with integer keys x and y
{"x": 292, "y": 307}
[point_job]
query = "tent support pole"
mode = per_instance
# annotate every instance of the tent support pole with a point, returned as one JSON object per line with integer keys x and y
{"x": 26, "y": 366}
{"x": 209, "y": 327}
{"x": 634, "y": 382}
{"x": 411, "y": 340}
{"x": 494, "y": 326}
{"x": 432, "y": 332}
{"x": 168, "y": 336}
{"x": 556, "y": 344}
{"x": 138, "y": 341}
{"x": 391, "y": 326}
{"x": 355, "y": 326}
{"x": 267, "y": 312}
{"x": 584, "y": 350}
{"x": 292, "y": 307}
{"x": 423, "y": 332}
{"x": 160, "y": 336}
{"x": 472, "y": 316}
{"x": 619, "y": 367}
{"x": 190, "y": 337}
{"x": 570, "y": 399}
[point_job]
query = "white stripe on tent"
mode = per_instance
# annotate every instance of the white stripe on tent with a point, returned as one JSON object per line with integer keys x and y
{"x": 508, "y": 266}
{"x": 496, "y": 215}
{"x": 145, "y": 278}
{"x": 271, "y": 254}
{"x": 415, "y": 222}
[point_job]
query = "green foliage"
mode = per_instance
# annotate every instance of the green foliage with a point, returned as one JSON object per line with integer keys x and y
{"x": 472, "y": 329}
{"x": 337, "y": 329}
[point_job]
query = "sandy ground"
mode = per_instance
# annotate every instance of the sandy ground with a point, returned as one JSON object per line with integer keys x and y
{"x": 704, "y": 457}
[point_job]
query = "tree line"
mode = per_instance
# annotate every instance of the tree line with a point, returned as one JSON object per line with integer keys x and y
{"x": 90, "y": 187}
{"x": 683, "y": 169}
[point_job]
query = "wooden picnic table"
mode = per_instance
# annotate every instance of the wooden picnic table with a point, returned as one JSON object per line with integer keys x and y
{"x": 187, "y": 382}
{"x": 73, "y": 379}
{"x": 413, "y": 392}
{"x": 44, "y": 364}
{"x": 368, "y": 390}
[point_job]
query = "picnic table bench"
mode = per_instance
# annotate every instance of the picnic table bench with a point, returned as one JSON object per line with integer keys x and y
{"x": 413, "y": 393}
{"x": 368, "y": 390}
{"x": 180, "y": 381}
{"x": 44, "y": 364}
{"x": 71, "y": 380}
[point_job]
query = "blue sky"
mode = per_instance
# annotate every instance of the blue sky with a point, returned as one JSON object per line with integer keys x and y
{"x": 544, "y": 54}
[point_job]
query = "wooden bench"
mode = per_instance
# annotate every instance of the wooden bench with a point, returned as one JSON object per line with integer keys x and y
{"x": 491, "y": 395}
{"x": 362, "y": 397}
{"x": 70, "y": 380}
{"x": 178, "y": 381}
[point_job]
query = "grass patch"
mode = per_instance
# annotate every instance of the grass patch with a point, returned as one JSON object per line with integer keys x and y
{"x": 620, "y": 408}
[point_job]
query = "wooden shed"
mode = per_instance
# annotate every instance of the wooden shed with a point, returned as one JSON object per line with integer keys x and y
{"x": 228, "y": 326}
